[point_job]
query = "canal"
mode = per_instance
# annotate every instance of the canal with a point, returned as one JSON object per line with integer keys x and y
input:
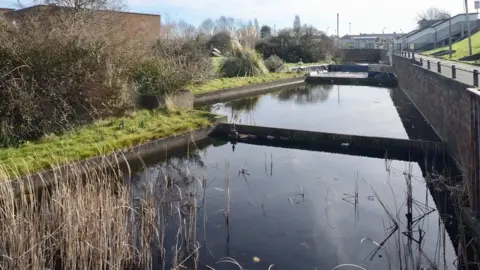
{"x": 298, "y": 209}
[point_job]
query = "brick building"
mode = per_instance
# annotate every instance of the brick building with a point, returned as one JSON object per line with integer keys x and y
{"x": 144, "y": 27}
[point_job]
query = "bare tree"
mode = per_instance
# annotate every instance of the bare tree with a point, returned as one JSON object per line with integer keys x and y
{"x": 257, "y": 25}
{"x": 225, "y": 24}
{"x": 433, "y": 13}
{"x": 207, "y": 27}
{"x": 86, "y": 4}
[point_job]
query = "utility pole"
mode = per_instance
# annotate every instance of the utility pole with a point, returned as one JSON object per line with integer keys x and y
{"x": 468, "y": 29}
{"x": 338, "y": 24}
{"x": 349, "y": 29}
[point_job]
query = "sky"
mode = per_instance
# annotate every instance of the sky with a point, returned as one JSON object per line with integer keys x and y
{"x": 365, "y": 16}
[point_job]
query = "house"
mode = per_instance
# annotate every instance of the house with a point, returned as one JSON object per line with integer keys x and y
{"x": 144, "y": 27}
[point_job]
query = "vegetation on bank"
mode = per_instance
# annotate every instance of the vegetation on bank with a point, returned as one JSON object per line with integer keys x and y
{"x": 225, "y": 83}
{"x": 102, "y": 137}
{"x": 64, "y": 94}
{"x": 461, "y": 48}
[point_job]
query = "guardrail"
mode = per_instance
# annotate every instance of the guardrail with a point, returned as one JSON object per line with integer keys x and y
{"x": 467, "y": 76}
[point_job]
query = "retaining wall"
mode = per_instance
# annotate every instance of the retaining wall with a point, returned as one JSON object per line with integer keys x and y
{"x": 244, "y": 91}
{"x": 121, "y": 158}
{"x": 453, "y": 110}
{"x": 361, "y": 55}
{"x": 354, "y": 142}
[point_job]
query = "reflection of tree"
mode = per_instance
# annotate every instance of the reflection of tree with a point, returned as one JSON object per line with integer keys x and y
{"x": 307, "y": 94}
{"x": 243, "y": 108}
{"x": 243, "y": 105}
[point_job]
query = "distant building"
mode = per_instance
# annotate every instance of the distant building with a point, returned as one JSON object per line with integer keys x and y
{"x": 367, "y": 41}
{"x": 145, "y": 27}
{"x": 5, "y": 10}
{"x": 433, "y": 34}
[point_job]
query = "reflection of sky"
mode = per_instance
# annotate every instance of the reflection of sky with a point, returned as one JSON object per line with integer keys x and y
{"x": 320, "y": 232}
{"x": 358, "y": 110}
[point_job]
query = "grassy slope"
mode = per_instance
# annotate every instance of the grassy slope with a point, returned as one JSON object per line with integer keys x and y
{"x": 291, "y": 65}
{"x": 225, "y": 83}
{"x": 99, "y": 138}
{"x": 460, "y": 48}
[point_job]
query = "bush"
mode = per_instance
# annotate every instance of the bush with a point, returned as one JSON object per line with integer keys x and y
{"x": 242, "y": 63}
{"x": 221, "y": 41}
{"x": 175, "y": 64}
{"x": 274, "y": 63}
{"x": 309, "y": 44}
{"x": 52, "y": 80}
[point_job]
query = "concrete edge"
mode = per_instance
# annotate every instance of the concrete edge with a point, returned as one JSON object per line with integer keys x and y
{"x": 42, "y": 179}
{"x": 333, "y": 138}
{"x": 244, "y": 91}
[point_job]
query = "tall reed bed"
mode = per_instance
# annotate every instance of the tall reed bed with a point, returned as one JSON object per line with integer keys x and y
{"x": 89, "y": 219}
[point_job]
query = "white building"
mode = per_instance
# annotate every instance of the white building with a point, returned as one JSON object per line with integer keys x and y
{"x": 368, "y": 41}
{"x": 437, "y": 34}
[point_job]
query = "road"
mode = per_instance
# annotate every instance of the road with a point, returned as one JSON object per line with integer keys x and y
{"x": 464, "y": 71}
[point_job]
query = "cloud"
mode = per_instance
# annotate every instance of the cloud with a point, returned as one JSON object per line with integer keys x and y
{"x": 365, "y": 15}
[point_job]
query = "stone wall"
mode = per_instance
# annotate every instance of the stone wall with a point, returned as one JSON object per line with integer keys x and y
{"x": 447, "y": 105}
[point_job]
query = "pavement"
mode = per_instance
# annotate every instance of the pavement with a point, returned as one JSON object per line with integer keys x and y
{"x": 464, "y": 71}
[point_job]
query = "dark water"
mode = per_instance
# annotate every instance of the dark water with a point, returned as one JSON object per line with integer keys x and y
{"x": 359, "y": 110}
{"x": 294, "y": 209}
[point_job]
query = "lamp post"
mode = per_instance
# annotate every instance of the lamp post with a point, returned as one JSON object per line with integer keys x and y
{"x": 468, "y": 29}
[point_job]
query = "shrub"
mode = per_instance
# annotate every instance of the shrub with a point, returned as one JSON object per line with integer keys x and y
{"x": 174, "y": 64}
{"x": 222, "y": 41}
{"x": 54, "y": 79}
{"x": 274, "y": 63}
{"x": 243, "y": 63}
{"x": 309, "y": 44}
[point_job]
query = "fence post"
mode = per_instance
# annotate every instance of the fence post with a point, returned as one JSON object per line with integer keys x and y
{"x": 439, "y": 67}
{"x": 428, "y": 64}
{"x": 454, "y": 72}
{"x": 475, "y": 77}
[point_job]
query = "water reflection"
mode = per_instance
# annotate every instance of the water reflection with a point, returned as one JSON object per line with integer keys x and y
{"x": 347, "y": 109}
{"x": 304, "y": 210}
{"x": 306, "y": 94}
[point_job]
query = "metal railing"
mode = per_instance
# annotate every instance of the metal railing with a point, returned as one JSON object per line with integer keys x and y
{"x": 466, "y": 76}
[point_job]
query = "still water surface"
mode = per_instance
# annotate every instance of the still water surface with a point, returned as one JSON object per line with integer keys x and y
{"x": 293, "y": 208}
{"x": 348, "y": 109}
{"x": 296, "y": 209}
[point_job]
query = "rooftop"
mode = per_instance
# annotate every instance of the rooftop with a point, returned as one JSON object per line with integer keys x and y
{"x": 11, "y": 11}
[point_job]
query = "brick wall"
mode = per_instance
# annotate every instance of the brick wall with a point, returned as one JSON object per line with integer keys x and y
{"x": 453, "y": 110}
{"x": 143, "y": 27}
{"x": 445, "y": 104}
{"x": 5, "y": 10}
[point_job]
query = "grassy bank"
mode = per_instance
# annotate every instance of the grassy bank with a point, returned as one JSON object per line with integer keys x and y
{"x": 225, "y": 83}
{"x": 99, "y": 138}
{"x": 460, "y": 48}
{"x": 291, "y": 65}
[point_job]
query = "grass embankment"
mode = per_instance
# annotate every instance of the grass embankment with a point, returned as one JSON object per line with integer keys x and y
{"x": 225, "y": 83}
{"x": 291, "y": 65}
{"x": 102, "y": 137}
{"x": 460, "y": 48}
